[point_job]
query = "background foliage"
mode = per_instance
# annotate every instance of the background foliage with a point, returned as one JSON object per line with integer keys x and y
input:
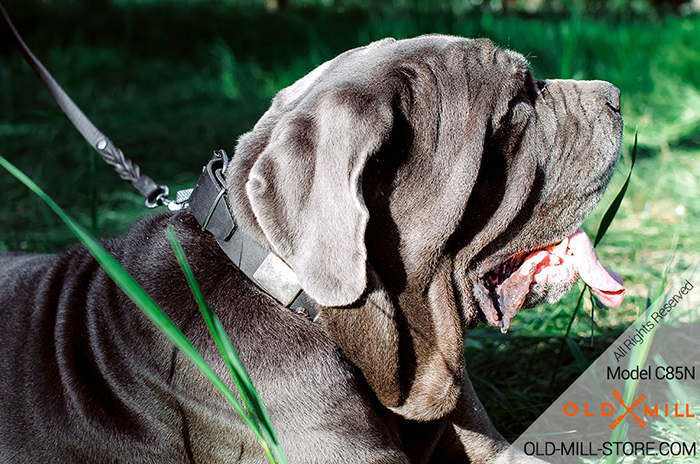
{"x": 171, "y": 81}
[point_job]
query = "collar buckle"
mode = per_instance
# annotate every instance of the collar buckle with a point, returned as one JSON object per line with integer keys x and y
{"x": 205, "y": 201}
{"x": 267, "y": 271}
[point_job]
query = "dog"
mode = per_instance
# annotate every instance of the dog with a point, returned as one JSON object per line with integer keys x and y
{"x": 416, "y": 188}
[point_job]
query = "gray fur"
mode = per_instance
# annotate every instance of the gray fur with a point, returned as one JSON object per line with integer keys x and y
{"x": 390, "y": 179}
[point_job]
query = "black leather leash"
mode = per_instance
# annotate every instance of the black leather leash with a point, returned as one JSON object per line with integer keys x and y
{"x": 206, "y": 201}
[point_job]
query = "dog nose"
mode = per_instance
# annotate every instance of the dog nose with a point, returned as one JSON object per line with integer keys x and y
{"x": 609, "y": 92}
{"x": 612, "y": 94}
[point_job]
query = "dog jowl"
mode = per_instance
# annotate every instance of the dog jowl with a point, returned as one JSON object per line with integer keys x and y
{"x": 416, "y": 188}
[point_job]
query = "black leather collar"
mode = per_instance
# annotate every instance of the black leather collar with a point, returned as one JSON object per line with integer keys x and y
{"x": 268, "y": 271}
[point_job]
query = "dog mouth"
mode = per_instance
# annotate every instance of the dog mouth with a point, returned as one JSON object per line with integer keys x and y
{"x": 528, "y": 278}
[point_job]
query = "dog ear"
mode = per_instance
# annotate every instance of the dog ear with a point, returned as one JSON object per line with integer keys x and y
{"x": 305, "y": 187}
{"x": 407, "y": 337}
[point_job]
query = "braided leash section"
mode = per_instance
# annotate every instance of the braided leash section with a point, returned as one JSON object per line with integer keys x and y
{"x": 123, "y": 166}
{"x": 115, "y": 158}
{"x": 126, "y": 169}
{"x": 129, "y": 171}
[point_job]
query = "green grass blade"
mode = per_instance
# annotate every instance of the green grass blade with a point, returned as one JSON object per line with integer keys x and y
{"x": 638, "y": 356}
{"x": 605, "y": 222}
{"x": 664, "y": 275}
{"x": 137, "y": 294}
{"x": 565, "y": 341}
{"x": 615, "y": 205}
{"x": 238, "y": 373}
{"x": 223, "y": 343}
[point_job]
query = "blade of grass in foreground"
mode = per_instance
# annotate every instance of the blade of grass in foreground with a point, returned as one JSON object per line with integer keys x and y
{"x": 640, "y": 352}
{"x": 611, "y": 212}
{"x": 228, "y": 352}
{"x": 605, "y": 222}
{"x": 139, "y": 296}
{"x": 638, "y": 356}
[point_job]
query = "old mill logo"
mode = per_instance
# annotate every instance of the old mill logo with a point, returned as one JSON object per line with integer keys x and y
{"x": 608, "y": 409}
{"x": 628, "y": 410}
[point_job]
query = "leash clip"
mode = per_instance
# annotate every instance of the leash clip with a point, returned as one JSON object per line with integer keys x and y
{"x": 182, "y": 197}
{"x": 160, "y": 199}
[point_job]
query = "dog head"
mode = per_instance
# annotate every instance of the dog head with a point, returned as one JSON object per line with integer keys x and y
{"x": 418, "y": 187}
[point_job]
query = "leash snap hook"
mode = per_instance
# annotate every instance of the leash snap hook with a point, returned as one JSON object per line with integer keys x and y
{"x": 160, "y": 199}
{"x": 181, "y": 199}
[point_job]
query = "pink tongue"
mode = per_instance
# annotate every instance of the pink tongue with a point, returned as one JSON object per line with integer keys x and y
{"x": 554, "y": 264}
{"x": 604, "y": 283}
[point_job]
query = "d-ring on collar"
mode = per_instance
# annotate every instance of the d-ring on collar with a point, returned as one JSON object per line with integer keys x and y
{"x": 265, "y": 269}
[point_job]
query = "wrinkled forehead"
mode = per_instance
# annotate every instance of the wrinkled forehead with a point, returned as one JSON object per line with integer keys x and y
{"x": 450, "y": 60}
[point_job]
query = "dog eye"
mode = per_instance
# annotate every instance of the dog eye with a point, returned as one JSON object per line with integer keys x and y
{"x": 541, "y": 87}
{"x": 532, "y": 88}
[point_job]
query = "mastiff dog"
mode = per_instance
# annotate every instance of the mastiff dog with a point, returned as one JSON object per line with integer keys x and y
{"x": 413, "y": 189}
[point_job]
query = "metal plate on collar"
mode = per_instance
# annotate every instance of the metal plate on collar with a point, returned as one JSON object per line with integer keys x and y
{"x": 278, "y": 279}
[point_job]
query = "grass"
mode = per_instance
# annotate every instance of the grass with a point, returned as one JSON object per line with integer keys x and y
{"x": 169, "y": 83}
{"x": 254, "y": 414}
